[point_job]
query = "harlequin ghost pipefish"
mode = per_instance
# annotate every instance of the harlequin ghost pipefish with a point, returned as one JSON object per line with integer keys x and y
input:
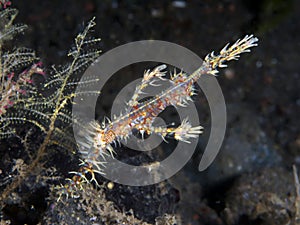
{"x": 141, "y": 115}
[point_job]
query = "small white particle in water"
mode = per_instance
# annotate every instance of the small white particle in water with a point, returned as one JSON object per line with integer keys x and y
{"x": 156, "y": 13}
{"x": 179, "y": 4}
{"x": 239, "y": 168}
{"x": 229, "y": 74}
{"x": 274, "y": 61}
{"x": 259, "y": 64}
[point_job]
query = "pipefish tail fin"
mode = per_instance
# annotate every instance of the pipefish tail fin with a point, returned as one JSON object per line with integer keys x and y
{"x": 229, "y": 53}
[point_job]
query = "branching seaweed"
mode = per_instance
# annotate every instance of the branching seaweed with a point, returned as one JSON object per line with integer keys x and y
{"x": 46, "y": 109}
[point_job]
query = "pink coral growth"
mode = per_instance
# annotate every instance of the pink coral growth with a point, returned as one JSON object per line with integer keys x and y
{"x": 5, "y": 3}
{"x": 11, "y": 89}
